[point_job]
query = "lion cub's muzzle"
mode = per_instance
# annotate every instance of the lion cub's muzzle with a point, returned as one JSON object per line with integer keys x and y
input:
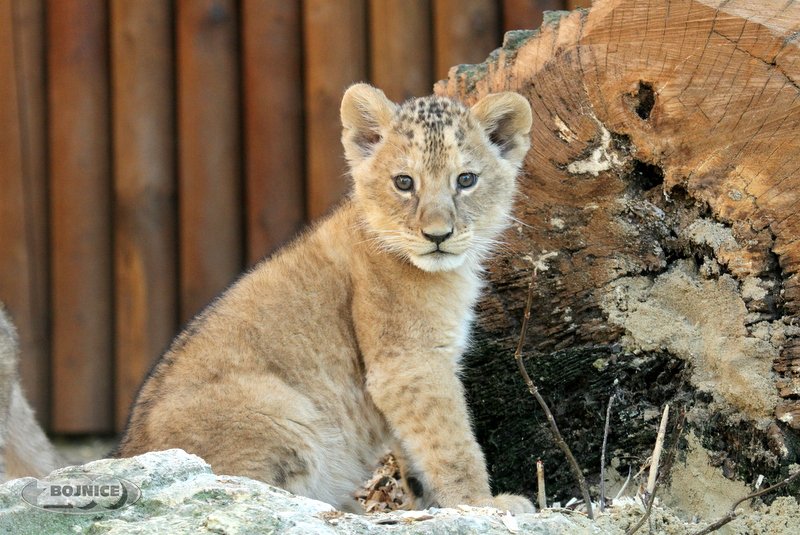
{"x": 436, "y": 221}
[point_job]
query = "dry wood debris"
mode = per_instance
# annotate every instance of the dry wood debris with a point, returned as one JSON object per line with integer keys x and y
{"x": 384, "y": 491}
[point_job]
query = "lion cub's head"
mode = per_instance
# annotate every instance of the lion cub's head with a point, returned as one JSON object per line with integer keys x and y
{"x": 435, "y": 179}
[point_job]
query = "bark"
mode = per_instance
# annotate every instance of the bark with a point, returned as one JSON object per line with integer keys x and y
{"x": 659, "y": 207}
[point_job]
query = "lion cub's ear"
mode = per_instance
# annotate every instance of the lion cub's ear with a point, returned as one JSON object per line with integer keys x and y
{"x": 366, "y": 113}
{"x": 506, "y": 118}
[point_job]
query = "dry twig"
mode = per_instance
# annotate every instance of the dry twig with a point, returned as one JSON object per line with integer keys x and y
{"x": 662, "y": 432}
{"x": 663, "y": 472}
{"x": 730, "y": 515}
{"x": 540, "y": 492}
{"x": 603, "y": 455}
{"x": 624, "y": 485}
{"x": 557, "y": 437}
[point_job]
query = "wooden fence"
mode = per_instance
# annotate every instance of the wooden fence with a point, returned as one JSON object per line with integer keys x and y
{"x": 152, "y": 149}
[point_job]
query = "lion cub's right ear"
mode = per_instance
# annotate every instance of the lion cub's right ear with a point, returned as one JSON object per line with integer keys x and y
{"x": 366, "y": 113}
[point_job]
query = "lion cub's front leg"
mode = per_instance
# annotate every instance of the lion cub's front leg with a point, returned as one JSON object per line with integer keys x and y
{"x": 423, "y": 401}
{"x": 413, "y": 381}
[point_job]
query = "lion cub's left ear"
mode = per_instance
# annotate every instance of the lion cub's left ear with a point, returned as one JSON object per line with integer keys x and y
{"x": 506, "y": 119}
{"x": 366, "y": 112}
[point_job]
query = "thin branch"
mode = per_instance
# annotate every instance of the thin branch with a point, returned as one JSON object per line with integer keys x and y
{"x": 662, "y": 432}
{"x": 730, "y": 515}
{"x": 559, "y": 440}
{"x": 670, "y": 459}
{"x": 540, "y": 485}
{"x": 603, "y": 455}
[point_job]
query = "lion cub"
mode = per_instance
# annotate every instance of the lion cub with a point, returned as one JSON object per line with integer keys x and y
{"x": 347, "y": 342}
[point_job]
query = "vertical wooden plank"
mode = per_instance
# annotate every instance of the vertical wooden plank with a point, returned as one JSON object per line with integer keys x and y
{"x": 32, "y": 315}
{"x": 145, "y": 256}
{"x": 209, "y": 150}
{"x": 401, "y": 62}
{"x": 80, "y": 191}
{"x": 13, "y": 261}
{"x": 527, "y": 14}
{"x": 465, "y": 31}
{"x": 335, "y": 57}
{"x": 273, "y": 121}
{"x": 15, "y": 258}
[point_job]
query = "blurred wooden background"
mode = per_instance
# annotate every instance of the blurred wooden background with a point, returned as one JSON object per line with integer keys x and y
{"x": 151, "y": 150}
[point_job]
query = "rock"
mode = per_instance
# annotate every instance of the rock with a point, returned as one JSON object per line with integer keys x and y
{"x": 180, "y": 494}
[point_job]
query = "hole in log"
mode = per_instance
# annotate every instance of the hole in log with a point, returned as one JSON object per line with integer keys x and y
{"x": 646, "y": 98}
{"x": 645, "y": 176}
{"x": 678, "y": 193}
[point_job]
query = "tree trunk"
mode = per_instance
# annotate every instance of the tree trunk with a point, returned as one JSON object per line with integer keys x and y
{"x": 659, "y": 209}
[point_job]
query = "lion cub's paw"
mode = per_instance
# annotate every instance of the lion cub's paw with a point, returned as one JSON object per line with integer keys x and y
{"x": 513, "y": 503}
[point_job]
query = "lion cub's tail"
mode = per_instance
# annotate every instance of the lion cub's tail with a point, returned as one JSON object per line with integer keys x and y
{"x": 24, "y": 448}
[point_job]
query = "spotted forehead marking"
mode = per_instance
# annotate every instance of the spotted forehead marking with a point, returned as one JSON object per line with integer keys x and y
{"x": 424, "y": 122}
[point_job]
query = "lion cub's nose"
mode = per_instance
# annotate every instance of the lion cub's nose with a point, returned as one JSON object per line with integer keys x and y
{"x": 437, "y": 238}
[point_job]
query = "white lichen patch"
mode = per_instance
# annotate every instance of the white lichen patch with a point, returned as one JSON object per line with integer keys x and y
{"x": 602, "y": 158}
{"x": 754, "y": 288}
{"x": 715, "y": 235}
{"x": 541, "y": 261}
{"x": 704, "y": 322}
{"x": 737, "y": 254}
{"x": 787, "y": 418}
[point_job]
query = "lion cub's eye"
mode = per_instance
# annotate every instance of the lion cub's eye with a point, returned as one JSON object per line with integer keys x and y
{"x": 466, "y": 180}
{"x": 404, "y": 182}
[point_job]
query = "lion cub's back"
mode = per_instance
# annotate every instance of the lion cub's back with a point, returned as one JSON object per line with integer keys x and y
{"x": 288, "y": 318}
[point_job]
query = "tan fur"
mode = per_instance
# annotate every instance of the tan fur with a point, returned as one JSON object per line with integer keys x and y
{"x": 24, "y": 448}
{"x": 348, "y": 341}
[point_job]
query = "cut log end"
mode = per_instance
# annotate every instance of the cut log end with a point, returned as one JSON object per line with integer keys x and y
{"x": 660, "y": 195}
